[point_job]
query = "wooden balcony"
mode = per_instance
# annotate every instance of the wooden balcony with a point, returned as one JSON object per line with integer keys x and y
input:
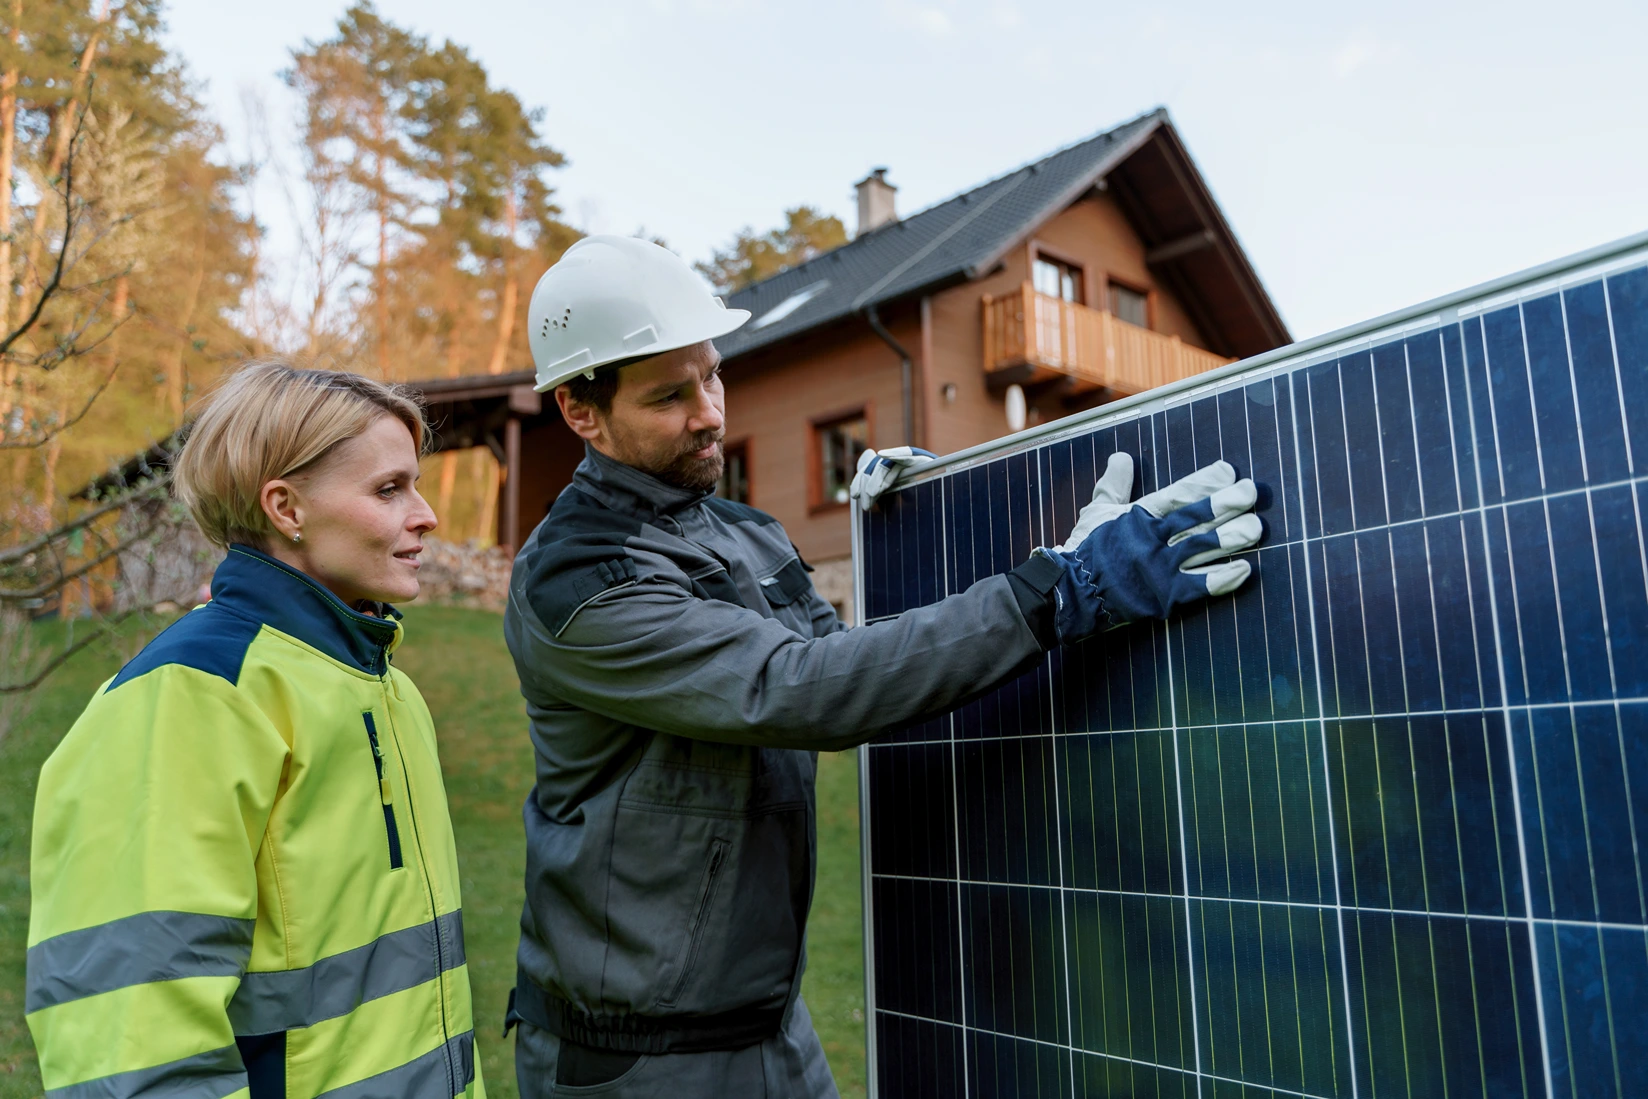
{"x": 1031, "y": 338}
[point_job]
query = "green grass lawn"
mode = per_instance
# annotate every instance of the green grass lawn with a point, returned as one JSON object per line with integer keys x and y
{"x": 458, "y": 660}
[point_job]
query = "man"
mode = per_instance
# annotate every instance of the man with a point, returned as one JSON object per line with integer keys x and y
{"x": 681, "y": 673}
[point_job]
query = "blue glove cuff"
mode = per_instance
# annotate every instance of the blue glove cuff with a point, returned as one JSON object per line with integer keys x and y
{"x": 1081, "y": 611}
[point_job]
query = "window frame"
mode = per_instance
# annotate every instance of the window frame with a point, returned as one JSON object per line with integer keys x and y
{"x": 1040, "y": 251}
{"x": 816, "y": 425}
{"x": 1144, "y": 292}
{"x": 745, "y": 447}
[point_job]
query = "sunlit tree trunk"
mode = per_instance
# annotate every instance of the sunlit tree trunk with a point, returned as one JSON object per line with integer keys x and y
{"x": 506, "y": 326}
{"x": 488, "y": 480}
{"x": 8, "y": 153}
{"x": 175, "y": 364}
{"x": 48, "y": 484}
{"x": 449, "y": 478}
{"x": 62, "y": 129}
{"x": 54, "y": 447}
{"x": 449, "y": 458}
{"x": 511, "y": 294}
{"x": 381, "y": 275}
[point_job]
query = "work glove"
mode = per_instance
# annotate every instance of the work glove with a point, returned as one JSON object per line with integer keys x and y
{"x": 877, "y": 470}
{"x": 1129, "y": 561}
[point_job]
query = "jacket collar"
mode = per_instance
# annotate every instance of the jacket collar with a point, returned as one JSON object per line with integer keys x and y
{"x": 627, "y": 490}
{"x": 254, "y": 585}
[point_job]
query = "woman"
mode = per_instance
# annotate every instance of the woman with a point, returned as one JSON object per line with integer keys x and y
{"x": 243, "y": 872}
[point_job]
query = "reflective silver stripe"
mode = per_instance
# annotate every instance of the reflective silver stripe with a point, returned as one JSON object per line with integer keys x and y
{"x": 428, "y": 1077}
{"x": 209, "y": 1075}
{"x": 334, "y": 986}
{"x": 150, "y": 946}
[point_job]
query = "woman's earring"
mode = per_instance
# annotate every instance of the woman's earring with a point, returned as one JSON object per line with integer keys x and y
{"x": 297, "y": 537}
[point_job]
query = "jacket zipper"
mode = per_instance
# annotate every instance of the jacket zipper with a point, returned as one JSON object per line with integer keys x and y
{"x": 718, "y": 855}
{"x": 440, "y": 949}
{"x": 384, "y": 796}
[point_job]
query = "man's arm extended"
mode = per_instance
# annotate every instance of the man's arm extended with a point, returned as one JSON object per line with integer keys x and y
{"x": 654, "y": 655}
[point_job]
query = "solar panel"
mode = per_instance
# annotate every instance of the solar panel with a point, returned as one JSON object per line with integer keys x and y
{"x": 1377, "y": 825}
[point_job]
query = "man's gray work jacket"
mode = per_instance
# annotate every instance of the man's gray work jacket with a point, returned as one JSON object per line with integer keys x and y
{"x": 680, "y": 674}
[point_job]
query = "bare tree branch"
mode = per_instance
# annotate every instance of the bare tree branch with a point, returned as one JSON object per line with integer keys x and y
{"x": 42, "y": 438}
{"x": 61, "y": 577}
{"x": 64, "y": 657}
{"x": 17, "y": 553}
{"x": 69, "y": 221}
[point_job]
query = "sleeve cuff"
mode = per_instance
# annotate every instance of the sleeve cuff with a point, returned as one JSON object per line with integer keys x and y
{"x": 1033, "y": 583}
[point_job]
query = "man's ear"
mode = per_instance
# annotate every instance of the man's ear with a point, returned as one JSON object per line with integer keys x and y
{"x": 582, "y": 418}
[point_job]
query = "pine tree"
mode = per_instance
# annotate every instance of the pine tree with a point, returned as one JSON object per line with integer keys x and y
{"x": 751, "y": 257}
{"x": 355, "y": 89}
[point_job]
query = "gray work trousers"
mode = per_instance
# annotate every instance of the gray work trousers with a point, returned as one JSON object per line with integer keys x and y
{"x": 789, "y": 1065}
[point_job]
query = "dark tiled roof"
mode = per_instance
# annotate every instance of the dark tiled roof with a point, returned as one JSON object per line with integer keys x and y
{"x": 957, "y": 239}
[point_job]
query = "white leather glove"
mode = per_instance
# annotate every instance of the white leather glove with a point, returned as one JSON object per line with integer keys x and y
{"x": 1228, "y": 502}
{"x": 879, "y": 470}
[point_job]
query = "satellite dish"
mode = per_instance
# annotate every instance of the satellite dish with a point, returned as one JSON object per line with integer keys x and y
{"x": 1016, "y": 408}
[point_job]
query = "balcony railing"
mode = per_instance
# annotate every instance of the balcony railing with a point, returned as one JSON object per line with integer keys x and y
{"x": 1031, "y": 337}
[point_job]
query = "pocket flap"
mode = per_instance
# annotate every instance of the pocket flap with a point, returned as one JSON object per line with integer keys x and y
{"x": 787, "y": 584}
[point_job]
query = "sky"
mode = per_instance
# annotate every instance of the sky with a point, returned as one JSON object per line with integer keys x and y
{"x": 1368, "y": 156}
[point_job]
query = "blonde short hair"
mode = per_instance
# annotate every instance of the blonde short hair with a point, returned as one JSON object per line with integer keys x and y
{"x": 273, "y": 419}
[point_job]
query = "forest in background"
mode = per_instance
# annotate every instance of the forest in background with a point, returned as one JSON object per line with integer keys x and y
{"x": 135, "y": 271}
{"x": 423, "y": 194}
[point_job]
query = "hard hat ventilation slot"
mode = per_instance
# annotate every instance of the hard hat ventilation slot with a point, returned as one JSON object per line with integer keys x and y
{"x": 550, "y": 322}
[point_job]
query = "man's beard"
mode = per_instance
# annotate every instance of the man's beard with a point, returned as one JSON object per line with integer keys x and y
{"x": 684, "y": 471}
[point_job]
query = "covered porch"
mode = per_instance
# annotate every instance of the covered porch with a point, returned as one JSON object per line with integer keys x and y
{"x": 535, "y": 451}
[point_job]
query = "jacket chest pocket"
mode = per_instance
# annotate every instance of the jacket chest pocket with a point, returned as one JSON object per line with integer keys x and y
{"x": 386, "y": 797}
{"x": 785, "y": 591}
{"x": 788, "y": 584}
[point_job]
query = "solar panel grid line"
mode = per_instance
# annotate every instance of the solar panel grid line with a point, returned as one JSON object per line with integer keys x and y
{"x": 866, "y": 868}
{"x": 1544, "y": 1056}
{"x": 1510, "y": 747}
{"x": 1072, "y": 1050}
{"x": 1189, "y": 923}
{"x": 1058, "y": 824}
{"x": 1596, "y": 564}
{"x": 1384, "y": 460}
{"x": 1451, "y": 422}
{"x": 1312, "y": 618}
{"x": 1597, "y": 925}
{"x": 955, "y": 808}
{"x": 1619, "y": 380}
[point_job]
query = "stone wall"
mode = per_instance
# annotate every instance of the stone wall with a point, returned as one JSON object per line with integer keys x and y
{"x": 834, "y": 581}
{"x": 464, "y": 574}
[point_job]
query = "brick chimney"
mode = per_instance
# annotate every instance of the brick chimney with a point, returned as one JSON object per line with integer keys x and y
{"x": 875, "y": 201}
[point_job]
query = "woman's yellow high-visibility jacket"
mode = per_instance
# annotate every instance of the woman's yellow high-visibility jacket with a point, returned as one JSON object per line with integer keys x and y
{"x": 243, "y": 874}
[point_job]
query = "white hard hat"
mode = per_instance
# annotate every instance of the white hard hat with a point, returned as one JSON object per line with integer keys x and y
{"x": 611, "y": 299}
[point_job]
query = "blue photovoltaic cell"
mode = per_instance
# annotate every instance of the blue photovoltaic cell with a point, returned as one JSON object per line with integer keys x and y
{"x": 1375, "y": 826}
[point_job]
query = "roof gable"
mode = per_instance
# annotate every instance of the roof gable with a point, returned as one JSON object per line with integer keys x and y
{"x": 963, "y": 238}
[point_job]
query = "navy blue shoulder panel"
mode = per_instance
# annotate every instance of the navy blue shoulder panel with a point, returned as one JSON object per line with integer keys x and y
{"x": 733, "y": 512}
{"x": 577, "y": 553}
{"x": 209, "y": 639}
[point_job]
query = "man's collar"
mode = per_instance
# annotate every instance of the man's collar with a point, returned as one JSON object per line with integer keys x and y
{"x": 625, "y": 489}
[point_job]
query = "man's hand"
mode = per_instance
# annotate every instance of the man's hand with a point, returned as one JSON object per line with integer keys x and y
{"x": 1127, "y": 561}
{"x": 877, "y": 470}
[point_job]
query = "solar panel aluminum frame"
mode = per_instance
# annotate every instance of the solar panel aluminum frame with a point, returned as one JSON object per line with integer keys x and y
{"x": 1581, "y": 267}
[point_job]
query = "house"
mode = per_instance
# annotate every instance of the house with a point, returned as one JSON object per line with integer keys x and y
{"x": 1103, "y": 269}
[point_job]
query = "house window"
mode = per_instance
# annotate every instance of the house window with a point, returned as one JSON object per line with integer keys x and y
{"x": 1057, "y": 280}
{"x": 1130, "y": 305}
{"x": 735, "y": 475}
{"x": 839, "y": 442}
